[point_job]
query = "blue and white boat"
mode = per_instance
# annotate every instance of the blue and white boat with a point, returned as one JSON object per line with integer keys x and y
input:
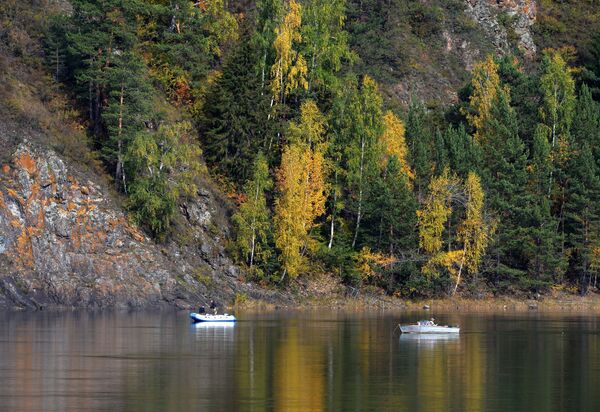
{"x": 207, "y": 317}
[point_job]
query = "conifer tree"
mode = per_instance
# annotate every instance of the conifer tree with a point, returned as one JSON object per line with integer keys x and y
{"x": 233, "y": 120}
{"x": 582, "y": 214}
{"x": 418, "y": 138}
{"x": 390, "y": 221}
{"x": 543, "y": 245}
{"x": 128, "y": 108}
{"x": 505, "y": 180}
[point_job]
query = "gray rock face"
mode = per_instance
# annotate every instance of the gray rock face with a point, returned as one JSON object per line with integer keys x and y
{"x": 64, "y": 243}
{"x": 518, "y": 16}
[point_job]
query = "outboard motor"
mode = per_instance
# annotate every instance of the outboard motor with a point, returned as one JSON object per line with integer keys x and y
{"x": 201, "y": 310}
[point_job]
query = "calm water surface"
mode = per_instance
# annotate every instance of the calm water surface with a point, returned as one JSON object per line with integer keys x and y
{"x": 297, "y": 361}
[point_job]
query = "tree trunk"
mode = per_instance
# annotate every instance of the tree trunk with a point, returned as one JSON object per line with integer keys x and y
{"x": 360, "y": 190}
{"x": 332, "y": 227}
{"x": 462, "y": 262}
{"x": 120, "y": 173}
{"x": 254, "y": 229}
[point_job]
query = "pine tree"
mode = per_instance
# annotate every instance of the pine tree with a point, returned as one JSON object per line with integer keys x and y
{"x": 390, "y": 223}
{"x": 128, "y": 107}
{"x": 418, "y": 138}
{"x": 586, "y": 122}
{"x": 543, "y": 245}
{"x": 582, "y": 214}
{"x": 233, "y": 121}
{"x": 463, "y": 151}
{"x": 505, "y": 180}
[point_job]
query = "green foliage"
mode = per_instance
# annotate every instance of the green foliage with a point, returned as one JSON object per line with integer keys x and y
{"x": 252, "y": 222}
{"x": 282, "y": 90}
{"x": 419, "y": 140}
{"x": 166, "y": 165}
{"x": 234, "y": 121}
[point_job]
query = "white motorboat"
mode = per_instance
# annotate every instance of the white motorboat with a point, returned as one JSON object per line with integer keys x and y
{"x": 207, "y": 317}
{"x": 428, "y": 326}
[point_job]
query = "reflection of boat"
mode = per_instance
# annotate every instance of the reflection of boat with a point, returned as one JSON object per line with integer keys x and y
{"x": 206, "y": 317}
{"x": 213, "y": 325}
{"x": 428, "y": 326}
{"x": 429, "y": 337}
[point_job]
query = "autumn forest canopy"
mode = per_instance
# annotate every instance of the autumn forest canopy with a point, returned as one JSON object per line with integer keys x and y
{"x": 497, "y": 192}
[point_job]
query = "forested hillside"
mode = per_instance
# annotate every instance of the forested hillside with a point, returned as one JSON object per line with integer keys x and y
{"x": 425, "y": 148}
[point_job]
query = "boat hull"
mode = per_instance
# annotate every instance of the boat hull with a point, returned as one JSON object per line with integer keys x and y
{"x": 428, "y": 329}
{"x": 206, "y": 317}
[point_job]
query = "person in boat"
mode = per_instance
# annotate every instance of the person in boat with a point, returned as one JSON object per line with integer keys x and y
{"x": 213, "y": 306}
{"x": 201, "y": 310}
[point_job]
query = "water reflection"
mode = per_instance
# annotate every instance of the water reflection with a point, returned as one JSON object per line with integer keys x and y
{"x": 428, "y": 339}
{"x": 300, "y": 361}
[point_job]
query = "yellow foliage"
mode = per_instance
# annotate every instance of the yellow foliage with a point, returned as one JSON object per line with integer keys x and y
{"x": 301, "y": 199}
{"x": 595, "y": 264}
{"x": 451, "y": 261}
{"x": 486, "y": 86}
{"x": 289, "y": 71}
{"x": 393, "y": 142}
{"x": 311, "y": 129}
{"x": 474, "y": 232}
{"x": 436, "y": 211}
{"x": 368, "y": 261}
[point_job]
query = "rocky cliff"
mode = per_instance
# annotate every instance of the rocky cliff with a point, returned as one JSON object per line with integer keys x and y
{"x": 65, "y": 243}
{"x": 506, "y": 22}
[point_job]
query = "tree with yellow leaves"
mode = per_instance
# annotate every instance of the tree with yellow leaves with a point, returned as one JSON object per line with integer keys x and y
{"x": 301, "y": 188}
{"x": 437, "y": 209}
{"x": 486, "y": 88}
{"x": 289, "y": 72}
{"x": 474, "y": 232}
{"x": 393, "y": 142}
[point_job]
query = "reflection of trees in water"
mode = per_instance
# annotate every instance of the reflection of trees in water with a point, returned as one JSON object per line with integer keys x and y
{"x": 160, "y": 362}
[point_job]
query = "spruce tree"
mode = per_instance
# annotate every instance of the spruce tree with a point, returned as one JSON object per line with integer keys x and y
{"x": 505, "y": 181}
{"x": 419, "y": 140}
{"x": 582, "y": 214}
{"x": 234, "y": 126}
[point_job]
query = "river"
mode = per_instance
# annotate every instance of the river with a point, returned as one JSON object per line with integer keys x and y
{"x": 308, "y": 360}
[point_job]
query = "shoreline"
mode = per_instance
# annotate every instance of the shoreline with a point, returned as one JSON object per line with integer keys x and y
{"x": 558, "y": 303}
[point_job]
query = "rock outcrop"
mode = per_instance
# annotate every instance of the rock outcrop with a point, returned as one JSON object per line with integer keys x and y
{"x": 500, "y": 17}
{"x": 64, "y": 242}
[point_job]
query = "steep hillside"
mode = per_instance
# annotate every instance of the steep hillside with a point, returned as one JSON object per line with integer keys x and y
{"x": 427, "y": 48}
{"x": 65, "y": 239}
{"x": 108, "y": 111}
